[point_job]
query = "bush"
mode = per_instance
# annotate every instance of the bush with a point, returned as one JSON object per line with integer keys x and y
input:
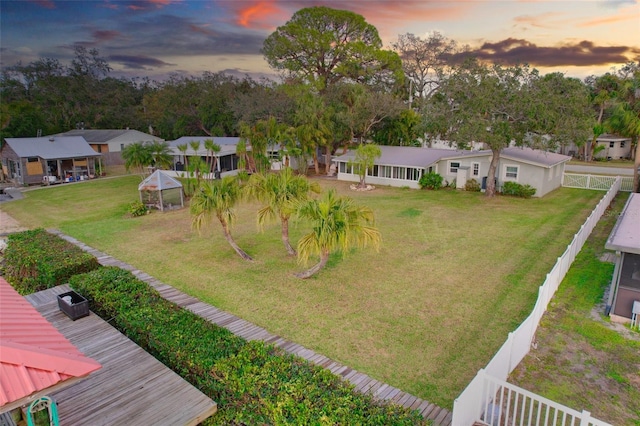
{"x": 137, "y": 208}
{"x": 430, "y": 181}
{"x": 36, "y": 260}
{"x": 517, "y": 190}
{"x": 252, "y": 383}
{"x": 472, "y": 185}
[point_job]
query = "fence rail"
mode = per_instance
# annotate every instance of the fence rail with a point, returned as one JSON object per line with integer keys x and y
{"x": 597, "y": 182}
{"x": 475, "y": 402}
{"x": 507, "y": 404}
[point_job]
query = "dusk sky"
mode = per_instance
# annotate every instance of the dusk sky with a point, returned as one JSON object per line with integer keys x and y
{"x": 155, "y": 38}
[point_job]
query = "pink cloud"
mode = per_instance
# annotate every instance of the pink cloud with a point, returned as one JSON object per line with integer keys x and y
{"x": 47, "y": 4}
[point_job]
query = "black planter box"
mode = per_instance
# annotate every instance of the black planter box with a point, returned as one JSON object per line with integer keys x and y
{"x": 78, "y": 308}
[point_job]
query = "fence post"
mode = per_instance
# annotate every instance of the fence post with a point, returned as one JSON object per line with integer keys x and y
{"x": 585, "y": 418}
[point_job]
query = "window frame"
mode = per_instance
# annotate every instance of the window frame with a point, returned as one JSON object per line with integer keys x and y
{"x": 506, "y": 172}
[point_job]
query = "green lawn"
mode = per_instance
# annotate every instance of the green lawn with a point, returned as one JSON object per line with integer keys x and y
{"x": 455, "y": 274}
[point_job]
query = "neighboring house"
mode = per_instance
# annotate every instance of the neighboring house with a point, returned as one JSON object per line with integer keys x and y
{"x": 30, "y": 161}
{"x": 226, "y": 159}
{"x": 624, "y": 294}
{"x": 615, "y": 147}
{"x": 403, "y": 166}
{"x": 35, "y": 358}
{"x": 111, "y": 142}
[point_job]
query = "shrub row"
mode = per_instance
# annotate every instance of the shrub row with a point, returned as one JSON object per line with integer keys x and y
{"x": 518, "y": 190}
{"x": 253, "y": 383}
{"x": 36, "y": 260}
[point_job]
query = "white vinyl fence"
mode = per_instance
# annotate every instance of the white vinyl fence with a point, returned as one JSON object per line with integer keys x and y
{"x": 484, "y": 396}
{"x": 603, "y": 183}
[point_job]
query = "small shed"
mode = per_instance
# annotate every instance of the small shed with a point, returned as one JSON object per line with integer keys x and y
{"x": 625, "y": 285}
{"x": 161, "y": 191}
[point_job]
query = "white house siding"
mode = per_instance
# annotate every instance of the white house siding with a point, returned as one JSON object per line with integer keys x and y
{"x": 345, "y": 173}
{"x": 131, "y": 136}
{"x": 614, "y": 149}
{"x": 482, "y": 161}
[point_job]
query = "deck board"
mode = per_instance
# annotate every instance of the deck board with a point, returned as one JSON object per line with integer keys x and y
{"x": 132, "y": 387}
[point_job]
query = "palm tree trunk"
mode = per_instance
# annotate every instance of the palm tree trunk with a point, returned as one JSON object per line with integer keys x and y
{"x": 232, "y": 243}
{"x": 285, "y": 236}
{"x": 324, "y": 258}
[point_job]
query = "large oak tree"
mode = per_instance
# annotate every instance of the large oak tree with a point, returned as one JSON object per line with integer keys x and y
{"x": 323, "y": 46}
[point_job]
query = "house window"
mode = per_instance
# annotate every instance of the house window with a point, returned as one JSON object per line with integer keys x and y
{"x": 399, "y": 172}
{"x": 612, "y": 144}
{"x": 475, "y": 169}
{"x": 453, "y": 167}
{"x": 121, "y": 147}
{"x": 621, "y": 144}
{"x": 511, "y": 172}
{"x": 385, "y": 171}
{"x": 373, "y": 171}
{"x": 413, "y": 174}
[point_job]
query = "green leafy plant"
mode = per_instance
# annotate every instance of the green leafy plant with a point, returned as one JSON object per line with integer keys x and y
{"x": 36, "y": 260}
{"x": 517, "y": 190}
{"x": 252, "y": 382}
{"x": 472, "y": 185}
{"x": 430, "y": 181}
{"x": 137, "y": 208}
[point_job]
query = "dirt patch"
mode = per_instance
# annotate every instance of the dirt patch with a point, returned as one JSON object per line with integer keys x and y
{"x": 8, "y": 224}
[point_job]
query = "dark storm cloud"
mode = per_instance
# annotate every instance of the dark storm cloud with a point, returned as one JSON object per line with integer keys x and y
{"x": 138, "y": 62}
{"x": 169, "y": 35}
{"x": 584, "y": 53}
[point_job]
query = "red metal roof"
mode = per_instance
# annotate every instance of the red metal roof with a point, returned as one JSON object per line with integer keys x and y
{"x": 34, "y": 355}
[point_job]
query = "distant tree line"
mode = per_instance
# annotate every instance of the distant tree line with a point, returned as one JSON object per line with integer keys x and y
{"x": 337, "y": 86}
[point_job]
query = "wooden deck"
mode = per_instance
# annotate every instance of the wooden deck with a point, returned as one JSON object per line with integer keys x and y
{"x": 131, "y": 388}
{"x": 362, "y": 382}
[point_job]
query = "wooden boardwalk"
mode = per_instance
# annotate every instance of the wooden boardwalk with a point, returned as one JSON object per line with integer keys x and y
{"x": 362, "y": 382}
{"x": 131, "y": 388}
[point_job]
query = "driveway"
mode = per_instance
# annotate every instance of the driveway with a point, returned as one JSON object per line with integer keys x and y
{"x": 599, "y": 170}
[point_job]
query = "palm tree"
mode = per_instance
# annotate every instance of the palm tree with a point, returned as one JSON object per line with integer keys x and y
{"x": 212, "y": 149}
{"x": 161, "y": 156}
{"x": 218, "y": 197}
{"x": 280, "y": 192}
{"x": 136, "y": 155}
{"x": 338, "y": 224}
{"x": 183, "y": 149}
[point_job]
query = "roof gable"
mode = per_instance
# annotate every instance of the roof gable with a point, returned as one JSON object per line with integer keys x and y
{"x": 52, "y": 147}
{"x": 159, "y": 181}
{"x": 111, "y": 135}
{"x": 34, "y": 355}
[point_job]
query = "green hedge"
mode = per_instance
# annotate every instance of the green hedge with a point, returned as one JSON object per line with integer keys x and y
{"x": 253, "y": 383}
{"x": 518, "y": 190}
{"x": 36, "y": 260}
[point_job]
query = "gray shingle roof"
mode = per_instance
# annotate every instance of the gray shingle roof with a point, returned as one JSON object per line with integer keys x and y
{"x": 408, "y": 156}
{"x": 424, "y": 157}
{"x": 534, "y": 156}
{"x": 59, "y": 148}
{"x": 98, "y": 136}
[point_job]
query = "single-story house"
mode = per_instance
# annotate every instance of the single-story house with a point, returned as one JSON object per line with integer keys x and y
{"x": 624, "y": 295}
{"x": 615, "y": 147}
{"x": 403, "y": 166}
{"x": 30, "y": 161}
{"x": 110, "y": 142}
{"x": 226, "y": 159}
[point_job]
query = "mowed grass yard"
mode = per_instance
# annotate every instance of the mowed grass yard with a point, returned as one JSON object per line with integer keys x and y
{"x": 456, "y": 272}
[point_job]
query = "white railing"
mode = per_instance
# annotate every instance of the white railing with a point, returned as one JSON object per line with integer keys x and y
{"x": 602, "y": 183}
{"x": 473, "y": 402}
{"x": 507, "y": 404}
